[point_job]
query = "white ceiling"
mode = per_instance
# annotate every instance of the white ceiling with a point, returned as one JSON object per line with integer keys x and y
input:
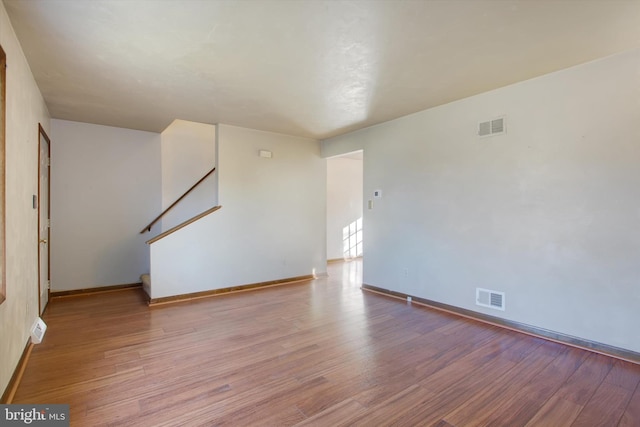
{"x": 312, "y": 68}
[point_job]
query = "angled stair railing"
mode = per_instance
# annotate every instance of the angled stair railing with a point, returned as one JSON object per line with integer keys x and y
{"x": 152, "y": 223}
{"x": 183, "y": 224}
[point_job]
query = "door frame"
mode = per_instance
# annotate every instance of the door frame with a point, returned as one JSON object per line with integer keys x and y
{"x": 43, "y": 134}
{"x": 3, "y": 164}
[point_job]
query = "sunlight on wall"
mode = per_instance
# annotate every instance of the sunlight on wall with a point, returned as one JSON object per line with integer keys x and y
{"x": 352, "y": 239}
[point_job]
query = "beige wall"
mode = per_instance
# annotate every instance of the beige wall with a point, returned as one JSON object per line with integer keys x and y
{"x": 548, "y": 212}
{"x": 188, "y": 153}
{"x": 272, "y": 224}
{"x": 105, "y": 186}
{"x": 25, "y": 109}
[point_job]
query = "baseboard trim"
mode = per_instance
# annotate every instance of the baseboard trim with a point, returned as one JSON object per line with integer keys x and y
{"x": 216, "y": 292}
{"x": 337, "y": 260}
{"x": 96, "y": 290}
{"x": 596, "y": 347}
{"x": 14, "y": 382}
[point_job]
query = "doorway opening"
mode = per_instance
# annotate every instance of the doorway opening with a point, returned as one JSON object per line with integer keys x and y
{"x": 345, "y": 207}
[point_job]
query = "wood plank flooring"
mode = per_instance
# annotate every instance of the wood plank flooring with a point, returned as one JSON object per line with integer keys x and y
{"x": 318, "y": 353}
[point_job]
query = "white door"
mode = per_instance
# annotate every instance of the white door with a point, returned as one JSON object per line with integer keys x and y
{"x": 43, "y": 220}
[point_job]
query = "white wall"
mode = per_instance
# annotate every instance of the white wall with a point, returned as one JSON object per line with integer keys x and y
{"x": 188, "y": 153}
{"x": 105, "y": 186}
{"x": 271, "y": 226}
{"x": 25, "y": 109}
{"x": 548, "y": 213}
{"x": 344, "y": 200}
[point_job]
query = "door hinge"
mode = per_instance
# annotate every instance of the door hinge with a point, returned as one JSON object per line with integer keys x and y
{"x": 48, "y": 161}
{"x": 48, "y": 223}
{"x": 48, "y": 284}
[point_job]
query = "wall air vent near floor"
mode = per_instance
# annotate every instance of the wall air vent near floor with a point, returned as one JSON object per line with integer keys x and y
{"x": 491, "y": 299}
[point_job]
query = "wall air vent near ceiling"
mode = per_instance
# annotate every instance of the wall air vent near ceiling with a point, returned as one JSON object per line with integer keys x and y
{"x": 491, "y": 299}
{"x": 492, "y": 127}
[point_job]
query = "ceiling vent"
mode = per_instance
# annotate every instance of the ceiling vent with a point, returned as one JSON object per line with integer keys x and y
{"x": 492, "y": 127}
{"x": 491, "y": 299}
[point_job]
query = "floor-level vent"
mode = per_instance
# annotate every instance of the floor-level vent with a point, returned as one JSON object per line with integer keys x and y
{"x": 492, "y": 127}
{"x": 491, "y": 299}
{"x": 37, "y": 331}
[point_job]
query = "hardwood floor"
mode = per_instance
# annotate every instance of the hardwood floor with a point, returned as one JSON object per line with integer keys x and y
{"x": 319, "y": 353}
